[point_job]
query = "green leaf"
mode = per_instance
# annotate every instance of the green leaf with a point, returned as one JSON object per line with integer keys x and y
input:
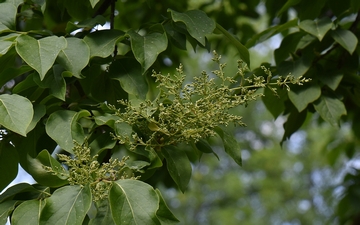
{"x": 62, "y": 126}
{"x": 75, "y": 56}
{"x": 203, "y": 146}
{"x": 16, "y": 113}
{"x": 5, "y": 210}
{"x": 346, "y": 39}
{"x": 266, "y": 34}
{"x": 67, "y": 205}
{"x": 198, "y": 24}
{"x": 17, "y": 189}
{"x": 128, "y": 72}
{"x": 331, "y": 79}
{"x": 151, "y": 154}
{"x": 103, "y": 214}
{"x": 318, "y": 28}
{"x": 301, "y": 96}
{"x": 43, "y": 177}
{"x": 147, "y": 48}
{"x": 39, "y": 54}
{"x": 164, "y": 214}
{"x": 8, "y": 163}
{"x": 8, "y": 15}
{"x": 39, "y": 112}
{"x": 178, "y": 165}
{"x": 330, "y": 109}
{"x": 296, "y": 68}
{"x": 93, "y": 2}
{"x": 5, "y": 46}
{"x": 133, "y": 202}
{"x": 28, "y": 213}
{"x": 287, "y": 5}
{"x": 243, "y": 51}
{"x": 293, "y": 123}
{"x": 89, "y": 23}
{"x": 102, "y": 43}
{"x": 273, "y": 103}
{"x": 232, "y": 147}
{"x": 11, "y": 73}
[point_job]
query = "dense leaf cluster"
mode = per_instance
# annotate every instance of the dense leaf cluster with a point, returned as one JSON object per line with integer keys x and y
{"x": 59, "y": 73}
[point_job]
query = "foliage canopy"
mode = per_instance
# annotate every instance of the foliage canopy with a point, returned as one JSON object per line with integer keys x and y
{"x": 62, "y": 78}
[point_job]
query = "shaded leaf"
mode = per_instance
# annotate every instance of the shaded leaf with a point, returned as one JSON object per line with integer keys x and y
{"x": 39, "y": 54}
{"x": 164, "y": 214}
{"x": 147, "y": 48}
{"x": 39, "y": 112}
{"x": 203, "y": 146}
{"x": 103, "y": 214}
{"x": 43, "y": 177}
{"x": 266, "y": 34}
{"x": 7, "y": 15}
{"x": 287, "y": 5}
{"x": 75, "y": 56}
{"x": 232, "y": 147}
{"x": 296, "y": 68}
{"x": 331, "y": 79}
{"x": 5, "y": 46}
{"x": 27, "y": 212}
{"x": 16, "y": 189}
{"x": 133, "y": 202}
{"x": 197, "y": 23}
{"x": 330, "y": 109}
{"x": 11, "y": 73}
{"x": 346, "y": 39}
{"x": 293, "y": 123}
{"x": 178, "y": 165}
{"x": 301, "y": 96}
{"x": 8, "y": 163}
{"x": 273, "y": 103}
{"x": 318, "y": 28}
{"x": 67, "y": 205}
{"x": 94, "y": 2}
{"x": 89, "y": 23}
{"x": 128, "y": 72}
{"x": 16, "y": 113}
{"x": 5, "y": 210}
{"x": 102, "y": 43}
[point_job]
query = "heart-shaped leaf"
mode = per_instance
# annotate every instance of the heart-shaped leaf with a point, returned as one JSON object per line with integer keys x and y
{"x": 133, "y": 202}
{"x": 62, "y": 126}
{"x": 301, "y": 96}
{"x": 330, "y": 109}
{"x": 16, "y": 113}
{"x": 346, "y": 39}
{"x": 75, "y": 56}
{"x": 318, "y": 28}
{"x": 198, "y": 24}
{"x": 66, "y": 206}
{"x": 39, "y": 54}
{"x": 147, "y": 48}
{"x": 102, "y": 43}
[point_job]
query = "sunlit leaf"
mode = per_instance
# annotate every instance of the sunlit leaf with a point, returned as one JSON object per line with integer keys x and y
{"x": 133, "y": 202}
{"x": 16, "y": 113}
{"x": 103, "y": 214}
{"x": 67, "y": 205}
{"x": 178, "y": 165}
{"x": 40, "y": 54}
{"x": 8, "y": 15}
